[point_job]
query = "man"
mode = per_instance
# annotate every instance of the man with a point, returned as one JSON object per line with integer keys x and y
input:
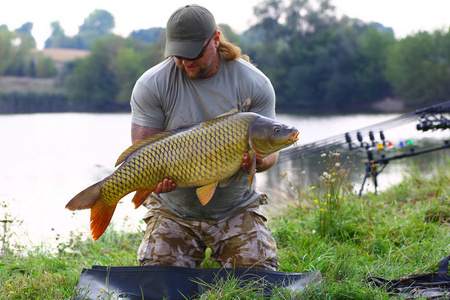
{"x": 203, "y": 77}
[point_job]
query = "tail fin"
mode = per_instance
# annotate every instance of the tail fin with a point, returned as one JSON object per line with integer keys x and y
{"x": 86, "y": 198}
{"x": 101, "y": 213}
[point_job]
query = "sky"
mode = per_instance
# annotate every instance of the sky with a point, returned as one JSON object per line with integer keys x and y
{"x": 406, "y": 17}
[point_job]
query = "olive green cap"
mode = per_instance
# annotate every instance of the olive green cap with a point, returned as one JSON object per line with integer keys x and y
{"x": 187, "y": 30}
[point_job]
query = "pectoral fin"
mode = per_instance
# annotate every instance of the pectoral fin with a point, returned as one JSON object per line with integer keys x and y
{"x": 140, "y": 197}
{"x": 206, "y": 192}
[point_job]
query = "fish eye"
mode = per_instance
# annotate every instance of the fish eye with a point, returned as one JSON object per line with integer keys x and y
{"x": 276, "y": 129}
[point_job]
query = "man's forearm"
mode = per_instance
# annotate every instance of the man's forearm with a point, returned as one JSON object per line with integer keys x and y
{"x": 268, "y": 162}
{"x": 139, "y": 133}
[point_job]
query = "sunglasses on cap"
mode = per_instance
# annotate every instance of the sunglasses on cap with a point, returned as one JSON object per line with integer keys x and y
{"x": 200, "y": 55}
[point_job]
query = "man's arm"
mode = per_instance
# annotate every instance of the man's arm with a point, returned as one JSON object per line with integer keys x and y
{"x": 139, "y": 133}
{"x": 268, "y": 162}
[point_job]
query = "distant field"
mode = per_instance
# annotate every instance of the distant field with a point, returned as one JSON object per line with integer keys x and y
{"x": 64, "y": 55}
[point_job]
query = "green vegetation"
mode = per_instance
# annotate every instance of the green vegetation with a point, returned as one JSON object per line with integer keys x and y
{"x": 42, "y": 273}
{"x": 98, "y": 24}
{"x": 17, "y": 55}
{"x": 313, "y": 58}
{"x": 404, "y": 230}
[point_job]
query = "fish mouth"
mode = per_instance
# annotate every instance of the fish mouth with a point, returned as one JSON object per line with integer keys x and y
{"x": 294, "y": 137}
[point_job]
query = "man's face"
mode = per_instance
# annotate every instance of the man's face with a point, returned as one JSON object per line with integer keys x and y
{"x": 203, "y": 67}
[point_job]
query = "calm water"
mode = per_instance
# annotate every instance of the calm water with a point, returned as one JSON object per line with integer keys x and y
{"x": 48, "y": 158}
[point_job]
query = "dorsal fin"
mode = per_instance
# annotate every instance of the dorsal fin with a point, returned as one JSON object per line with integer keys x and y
{"x": 151, "y": 139}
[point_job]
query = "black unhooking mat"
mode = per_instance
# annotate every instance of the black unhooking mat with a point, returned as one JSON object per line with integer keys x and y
{"x": 168, "y": 282}
{"x": 420, "y": 286}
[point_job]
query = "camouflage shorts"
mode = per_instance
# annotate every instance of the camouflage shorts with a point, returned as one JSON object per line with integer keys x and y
{"x": 241, "y": 241}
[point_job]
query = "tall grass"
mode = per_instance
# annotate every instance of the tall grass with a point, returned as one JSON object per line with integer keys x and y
{"x": 403, "y": 230}
{"x": 333, "y": 188}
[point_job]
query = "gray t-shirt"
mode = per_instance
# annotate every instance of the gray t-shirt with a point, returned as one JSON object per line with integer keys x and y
{"x": 164, "y": 98}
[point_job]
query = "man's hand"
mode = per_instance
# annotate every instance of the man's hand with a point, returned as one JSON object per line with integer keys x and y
{"x": 247, "y": 162}
{"x": 262, "y": 164}
{"x": 165, "y": 186}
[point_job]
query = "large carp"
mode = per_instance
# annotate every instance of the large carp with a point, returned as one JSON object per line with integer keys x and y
{"x": 195, "y": 155}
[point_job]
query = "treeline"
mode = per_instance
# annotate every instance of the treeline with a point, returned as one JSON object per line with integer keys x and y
{"x": 316, "y": 59}
{"x": 18, "y": 56}
{"x": 313, "y": 58}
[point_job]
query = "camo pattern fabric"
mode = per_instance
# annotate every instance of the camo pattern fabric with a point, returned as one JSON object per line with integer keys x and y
{"x": 240, "y": 241}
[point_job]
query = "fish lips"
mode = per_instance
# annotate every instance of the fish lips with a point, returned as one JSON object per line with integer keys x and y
{"x": 294, "y": 136}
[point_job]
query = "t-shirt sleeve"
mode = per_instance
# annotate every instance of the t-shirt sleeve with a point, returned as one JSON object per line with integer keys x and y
{"x": 145, "y": 109}
{"x": 264, "y": 101}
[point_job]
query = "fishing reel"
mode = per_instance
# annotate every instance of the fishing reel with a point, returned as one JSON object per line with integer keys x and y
{"x": 433, "y": 123}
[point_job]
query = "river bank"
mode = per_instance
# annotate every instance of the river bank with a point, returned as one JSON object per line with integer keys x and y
{"x": 403, "y": 230}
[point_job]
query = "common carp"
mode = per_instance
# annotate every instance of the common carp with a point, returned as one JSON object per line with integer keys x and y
{"x": 195, "y": 155}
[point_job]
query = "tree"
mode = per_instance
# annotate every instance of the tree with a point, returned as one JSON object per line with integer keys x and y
{"x": 104, "y": 80}
{"x": 287, "y": 20}
{"x": 374, "y": 45}
{"x": 44, "y": 66}
{"x": 229, "y": 33}
{"x": 15, "y": 51}
{"x": 154, "y": 54}
{"x": 98, "y": 24}
{"x": 58, "y": 38}
{"x": 150, "y": 35}
{"x": 315, "y": 59}
{"x": 6, "y": 49}
{"x": 323, "y": 69}
{"x": 92, "y": 82}
{"x": 418, "y": 67}
{"x": 24, "y": 33}
{"x": 127, "y": 67}
{"x": 309, "y": 55}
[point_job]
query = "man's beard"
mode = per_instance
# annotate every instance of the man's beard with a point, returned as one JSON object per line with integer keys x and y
{"x": 193, "y": 76}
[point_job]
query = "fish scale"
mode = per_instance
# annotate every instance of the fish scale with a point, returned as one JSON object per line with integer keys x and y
{"x": 197, "y": 155}
{"x": 177, "y": 153}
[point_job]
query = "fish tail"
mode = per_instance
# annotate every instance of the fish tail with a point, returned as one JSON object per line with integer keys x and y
{"x": 86, "y": 198}
{"x": 101, "y": 213}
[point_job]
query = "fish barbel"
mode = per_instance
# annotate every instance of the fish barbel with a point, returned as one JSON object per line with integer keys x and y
{"x": 196, "y": 155}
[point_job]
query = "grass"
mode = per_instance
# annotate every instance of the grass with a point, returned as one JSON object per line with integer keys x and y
{"x": 43, "y": 274}
{"x": 403, "y": 230}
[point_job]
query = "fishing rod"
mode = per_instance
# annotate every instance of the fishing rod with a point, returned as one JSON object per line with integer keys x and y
{"x": 427, "y": 117}
{"x": 372, "y": 164}
{"x": 430, "y": 118}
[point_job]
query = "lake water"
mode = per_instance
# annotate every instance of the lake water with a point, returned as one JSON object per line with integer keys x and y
{"x": 48, "y": 158}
